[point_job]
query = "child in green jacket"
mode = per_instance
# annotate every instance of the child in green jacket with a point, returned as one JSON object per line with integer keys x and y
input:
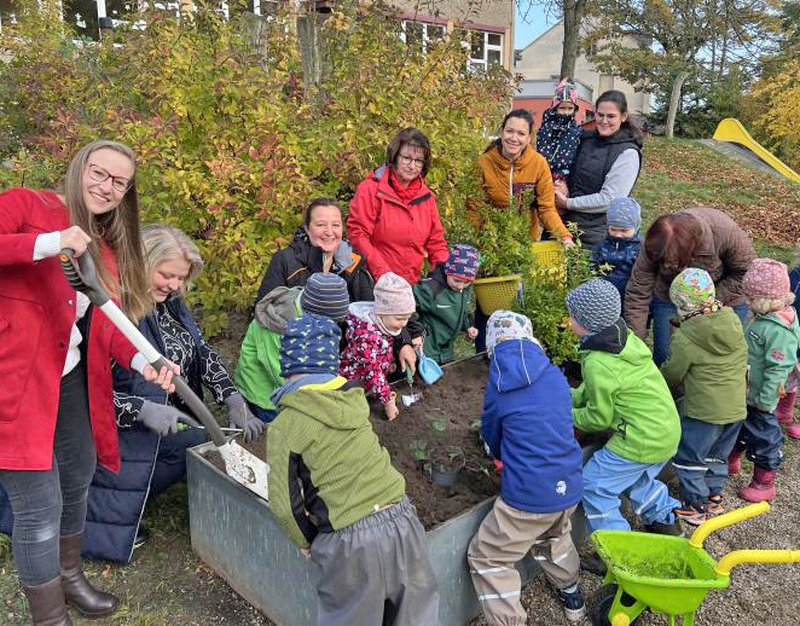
{"x": 623, "y": 391}
{"x": 333, "y": 490}
{"x": 443, "y": 302}
{"x": 706, "y": 368}
{"x": 258, "y": 373}
{"x": 772, "y": 340}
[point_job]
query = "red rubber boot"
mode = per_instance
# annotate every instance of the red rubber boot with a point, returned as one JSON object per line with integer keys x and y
{"x": 735, "y": 462}
{"x": 761, "y": 488}
{"x": 785, "y": 410}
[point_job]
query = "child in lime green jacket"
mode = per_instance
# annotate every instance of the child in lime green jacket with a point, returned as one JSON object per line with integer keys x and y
{"x": 258, "y": 373}
{"x": 622, "y": 391}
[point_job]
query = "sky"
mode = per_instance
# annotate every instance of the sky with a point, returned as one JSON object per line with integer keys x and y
{"x": 530, "y": 25}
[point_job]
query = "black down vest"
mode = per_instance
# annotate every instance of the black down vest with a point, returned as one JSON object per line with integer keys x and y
{"x": 596, "y": 156}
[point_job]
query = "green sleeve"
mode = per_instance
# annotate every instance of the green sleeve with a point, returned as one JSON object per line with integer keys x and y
{"x": 596, "y": 410}
{"x": 268, "y": 349}
{"x": 674, "y": 369}
{"x": 779, "y": 360}
{"x": 280, "y": 502}
{"x": 578, "y": 396}
{"x": 466, "y": 318}
{"x": 424, "y": 298}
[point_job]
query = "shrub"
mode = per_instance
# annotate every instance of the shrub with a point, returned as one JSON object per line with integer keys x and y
{"x": 232, "y": 143}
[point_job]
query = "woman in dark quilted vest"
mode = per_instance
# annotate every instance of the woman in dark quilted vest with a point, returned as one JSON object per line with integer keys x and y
{"x": 608, "y": 164}
{"x": 153, "y": 436}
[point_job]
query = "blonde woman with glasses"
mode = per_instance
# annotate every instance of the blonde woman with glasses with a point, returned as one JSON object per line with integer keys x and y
{"x": 55, "y": 356}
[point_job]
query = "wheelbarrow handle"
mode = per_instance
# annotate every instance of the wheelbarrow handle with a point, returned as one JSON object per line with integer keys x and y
{"x": 737, "y": 557}
{"x": 728, "y": 519}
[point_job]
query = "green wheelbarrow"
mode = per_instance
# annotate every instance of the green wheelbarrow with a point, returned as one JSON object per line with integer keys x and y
{"x": 668, "y": 575}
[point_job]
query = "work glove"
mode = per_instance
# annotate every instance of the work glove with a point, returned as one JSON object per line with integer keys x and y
{"x": 241, "y": 417}
{"x": 162, "y": 419}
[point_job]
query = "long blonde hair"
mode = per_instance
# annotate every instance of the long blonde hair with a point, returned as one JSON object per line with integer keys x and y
{"x": 164, "y": 243}
{"x": 119, "y": 228}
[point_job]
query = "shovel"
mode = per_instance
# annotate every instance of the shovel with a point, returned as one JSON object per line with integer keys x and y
{"x": 244, "y": 467}
{"x": 409, "y": 399}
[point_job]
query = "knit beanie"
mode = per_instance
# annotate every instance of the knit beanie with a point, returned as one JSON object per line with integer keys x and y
{"x": 624, "y": 213}
{"x": 393, "y": 296}
{"x": 565, "y": 92}
{"x": 506, "y": 325}
{"x": 595, "y": 305}
{"x": 463, "y": 262}
{"x": 766, "y": 278}
{"x": 325, "y": 294}
{"x": 692, "y": 290}
{"x": 310, "y": 345}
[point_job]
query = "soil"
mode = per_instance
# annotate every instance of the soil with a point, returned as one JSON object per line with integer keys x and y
{"x": 445, "y": 424}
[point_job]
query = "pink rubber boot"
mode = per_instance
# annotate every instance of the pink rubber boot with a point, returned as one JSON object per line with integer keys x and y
{"x": 794, "y": 431}
{"x": 735, "y": 462}
{"x": 785, "y": 410}
{"x": 761, "y": 488}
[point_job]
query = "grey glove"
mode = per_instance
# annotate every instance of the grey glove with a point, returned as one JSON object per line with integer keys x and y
{"x": 162, "y": 419}
{"x": 240, "y": 416}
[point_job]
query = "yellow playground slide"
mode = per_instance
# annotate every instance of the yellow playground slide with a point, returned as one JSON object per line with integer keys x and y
{"x": 732, "y": 130}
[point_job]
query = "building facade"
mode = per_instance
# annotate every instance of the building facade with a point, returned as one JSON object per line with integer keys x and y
{"x": 540, "y": 60}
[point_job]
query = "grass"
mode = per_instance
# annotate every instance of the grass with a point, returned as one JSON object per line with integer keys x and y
{"x": 166, "y": 585}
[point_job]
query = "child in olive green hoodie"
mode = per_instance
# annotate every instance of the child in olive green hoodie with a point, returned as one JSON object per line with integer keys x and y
{"x": 772, "y": 339}
{"x": 706, "y": 369}
{"x": 623, "y": 391}
{"x": 333, "y": 490}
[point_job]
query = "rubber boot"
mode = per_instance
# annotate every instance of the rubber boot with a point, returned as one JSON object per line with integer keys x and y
{"x": 785, "y": 410}
{"x": 761, "y": 488}
{"x": 794, "y": 431}
{"x": 735, "y": 462}
{"x": 47, "y": 604}
{"x": 89, "y": 601}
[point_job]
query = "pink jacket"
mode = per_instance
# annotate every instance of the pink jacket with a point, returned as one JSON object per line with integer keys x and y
{"x": 367, "y": 356}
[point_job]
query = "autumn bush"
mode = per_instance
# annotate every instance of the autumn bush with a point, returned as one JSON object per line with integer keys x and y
{"x": 232, "y": 142}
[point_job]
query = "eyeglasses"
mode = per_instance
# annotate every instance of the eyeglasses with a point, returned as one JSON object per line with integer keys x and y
{"x": 99, "y": 175}
{"x": 407, "y": 160}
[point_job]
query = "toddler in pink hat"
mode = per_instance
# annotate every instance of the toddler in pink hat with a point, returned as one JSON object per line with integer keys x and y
{"x": 773, "y": 337}
{"x": 371, "y": 331}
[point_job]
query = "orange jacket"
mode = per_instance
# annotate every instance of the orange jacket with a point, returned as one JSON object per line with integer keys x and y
{"x": 503, "y": 178}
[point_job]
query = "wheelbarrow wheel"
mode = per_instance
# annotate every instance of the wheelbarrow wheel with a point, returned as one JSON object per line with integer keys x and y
{"x": 601, "y": 602}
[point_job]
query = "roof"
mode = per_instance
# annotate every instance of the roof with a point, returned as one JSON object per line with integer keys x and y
{"x": 545, "y": 88}
{"x": 558, "y": 24}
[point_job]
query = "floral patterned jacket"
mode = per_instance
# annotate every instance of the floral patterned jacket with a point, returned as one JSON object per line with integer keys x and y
{"x": 368, "y": 353}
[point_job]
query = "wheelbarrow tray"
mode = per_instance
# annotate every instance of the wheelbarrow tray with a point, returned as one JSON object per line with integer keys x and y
{"x": 663, "y": 572}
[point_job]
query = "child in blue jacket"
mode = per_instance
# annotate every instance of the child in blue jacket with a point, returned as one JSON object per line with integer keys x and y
{"x": 527, "y": 424}
{"x": 622, "y": 244}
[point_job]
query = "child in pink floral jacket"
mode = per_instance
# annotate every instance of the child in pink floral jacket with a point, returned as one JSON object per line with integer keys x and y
{"x": 371, "y": 331}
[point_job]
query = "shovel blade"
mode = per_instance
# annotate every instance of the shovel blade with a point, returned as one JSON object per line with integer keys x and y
{"x": 410, "y": 399}
{"x": 245, "y": 468}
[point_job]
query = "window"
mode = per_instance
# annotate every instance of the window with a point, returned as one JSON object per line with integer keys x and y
{"x": 420, "y": 35}
{"x": 486, "y": 49}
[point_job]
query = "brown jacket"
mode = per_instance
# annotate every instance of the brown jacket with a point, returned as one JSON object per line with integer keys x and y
{"x": 725, "y": 253}
{"x": 503, "y": 178}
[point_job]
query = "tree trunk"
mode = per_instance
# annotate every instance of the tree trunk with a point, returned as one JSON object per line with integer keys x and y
{"x": 674, "y": 100}
{"x": 574, "y": 11}
{"x": 314, "y": 54}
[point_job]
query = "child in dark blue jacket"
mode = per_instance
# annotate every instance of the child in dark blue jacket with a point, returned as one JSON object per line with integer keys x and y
{"x": 620, "y": 248}
{"x": 527, "y": 424}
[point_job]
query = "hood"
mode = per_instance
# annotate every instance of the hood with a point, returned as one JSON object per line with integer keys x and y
{"x": 328, "y": 403}
{"x": 275, "y": 310}
{"x": 365, "y": 311}
{"x": 516, "y": 363}
{"x": 786, "y": 319}
{"x": 718, "y": 333}
{"x": 612, "y": 339}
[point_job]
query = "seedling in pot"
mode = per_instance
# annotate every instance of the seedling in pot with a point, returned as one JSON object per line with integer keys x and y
{"x": 446, "y": 465}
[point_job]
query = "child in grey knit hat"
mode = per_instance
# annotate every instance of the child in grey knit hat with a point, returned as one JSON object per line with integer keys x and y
{"x": 621, "y": 247}
{"x": 622, "y": 391}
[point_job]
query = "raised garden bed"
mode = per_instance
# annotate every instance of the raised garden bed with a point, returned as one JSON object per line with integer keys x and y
{"x": 234, "y": 532}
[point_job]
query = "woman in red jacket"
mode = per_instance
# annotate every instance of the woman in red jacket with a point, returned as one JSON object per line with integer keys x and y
{"x": 56, "y": 411}
{"x": 393, "y": 216}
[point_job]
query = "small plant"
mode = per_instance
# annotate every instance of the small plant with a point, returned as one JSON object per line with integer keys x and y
{"x": 439, "y": 424}
{"x": 475, "y": 424}
{"x": 447, "y": 458}
{"x": 419, "y": 450}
